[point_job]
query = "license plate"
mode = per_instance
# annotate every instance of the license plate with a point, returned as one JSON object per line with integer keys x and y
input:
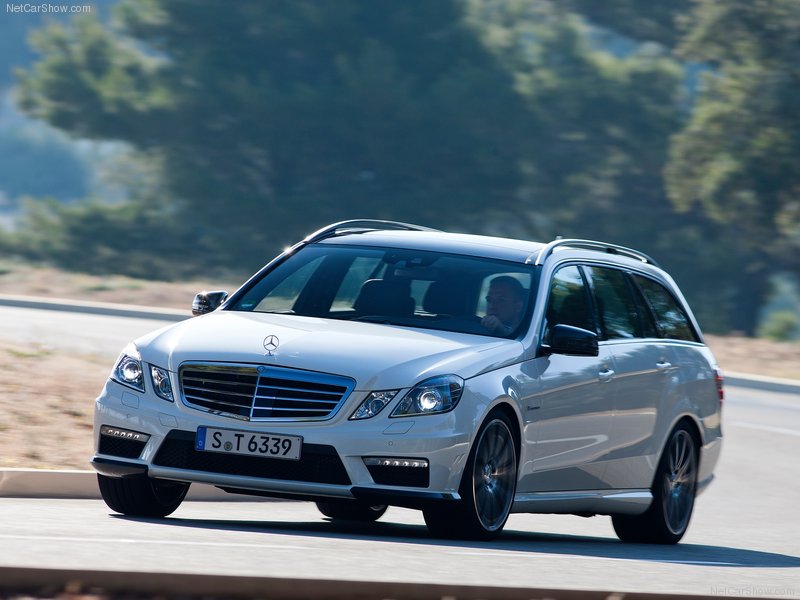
{"x": 231, "y": 441}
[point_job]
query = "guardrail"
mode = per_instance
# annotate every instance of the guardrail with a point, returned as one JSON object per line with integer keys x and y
{"x": 95, "y": 308}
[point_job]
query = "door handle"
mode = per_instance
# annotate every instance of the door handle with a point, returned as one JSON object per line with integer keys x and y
{"x": 663, "y": 365}
{"x": 606, "y": 375}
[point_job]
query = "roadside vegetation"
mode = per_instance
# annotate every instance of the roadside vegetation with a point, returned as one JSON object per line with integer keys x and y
{"x": 669, "y": 127}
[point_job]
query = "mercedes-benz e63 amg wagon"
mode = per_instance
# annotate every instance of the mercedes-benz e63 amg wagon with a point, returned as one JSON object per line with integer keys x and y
{"x": 377, "y": 363}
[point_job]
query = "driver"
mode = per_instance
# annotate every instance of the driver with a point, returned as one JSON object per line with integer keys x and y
{"x": 504, "y": 303}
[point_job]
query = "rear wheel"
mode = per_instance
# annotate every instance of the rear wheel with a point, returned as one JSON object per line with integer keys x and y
{"x": 487, "y": 486}
{"x": 142, "y": 496}
{"x": 352, "y": 510}
{"x": 674, "y": 489}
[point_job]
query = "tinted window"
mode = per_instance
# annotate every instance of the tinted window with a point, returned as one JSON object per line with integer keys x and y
{"x": 361, "y": 269}
{"x": 568, "y": 302}
{"x": 283, "y": 296}
{"x": 616, "y": 309}
{"x": 646, "y": 319}
{"x": 671, "y": 319}
{"x": 401, "y": 287}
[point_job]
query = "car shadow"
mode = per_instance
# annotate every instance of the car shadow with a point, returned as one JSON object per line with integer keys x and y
{"x": 508, "y": 540}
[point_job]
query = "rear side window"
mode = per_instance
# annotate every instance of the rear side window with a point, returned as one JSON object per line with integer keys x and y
{"x": 671, "y": 319}
{"x": 616, "y": 309}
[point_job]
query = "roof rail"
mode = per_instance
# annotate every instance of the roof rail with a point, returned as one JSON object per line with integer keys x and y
{"x": 593, "y": 245}
{"x": 362, "y": 225}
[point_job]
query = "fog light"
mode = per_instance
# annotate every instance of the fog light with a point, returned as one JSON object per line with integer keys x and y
{"x": 124, "y": 434}
{"x": 379, "y": 461}
{"x": 398, "y": 471}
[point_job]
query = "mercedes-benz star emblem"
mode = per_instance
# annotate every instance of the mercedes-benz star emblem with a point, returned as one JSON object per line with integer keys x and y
{"x": 271, "y": 343}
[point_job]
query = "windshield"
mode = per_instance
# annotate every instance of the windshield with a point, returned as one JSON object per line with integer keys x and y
{"x": 402, "y": 287}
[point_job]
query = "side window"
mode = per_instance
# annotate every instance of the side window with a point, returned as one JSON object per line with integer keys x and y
{"x": 616, "y": 309}
{"x": 671, "y": 319}
{"x": 646, "y": 318}
{"x": 568, "y": 302}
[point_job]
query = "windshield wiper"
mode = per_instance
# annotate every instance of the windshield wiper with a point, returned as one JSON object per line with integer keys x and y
{"x": 383, "y": 320}
{"x": 414, "y": 321}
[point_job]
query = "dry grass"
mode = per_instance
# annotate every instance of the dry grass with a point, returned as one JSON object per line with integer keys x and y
{"x": 756, "y": 356}
{"x": 46, "y": 407}
{"x": 27, "y": 280}
{"x": 47, "y": 399}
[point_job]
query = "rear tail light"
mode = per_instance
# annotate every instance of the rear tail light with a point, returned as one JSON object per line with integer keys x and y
{"x": 719, "y": 380}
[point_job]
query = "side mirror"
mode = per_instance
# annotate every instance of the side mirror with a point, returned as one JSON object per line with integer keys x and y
{"x": 572, "y": 341}
{"x": 206, "y": 302}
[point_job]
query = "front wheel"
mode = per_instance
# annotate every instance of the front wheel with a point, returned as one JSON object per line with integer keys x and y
{"x": 674, "y": 489}
{"x": 142, "y": 496}
{"x": 487, "y": 487}
{"x": 352, "y": 510}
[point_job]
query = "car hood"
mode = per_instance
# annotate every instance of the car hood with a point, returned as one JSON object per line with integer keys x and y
{"x": 377, "y": 356}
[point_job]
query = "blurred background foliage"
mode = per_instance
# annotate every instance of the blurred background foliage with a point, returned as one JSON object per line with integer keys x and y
{"x": 209, "y": 135}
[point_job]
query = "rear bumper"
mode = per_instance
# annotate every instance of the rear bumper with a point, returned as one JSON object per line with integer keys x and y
{"x": 709, "y": 457}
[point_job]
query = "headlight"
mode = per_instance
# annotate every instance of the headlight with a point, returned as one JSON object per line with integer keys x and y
{"x": 161, "y": 384}
{"x": 128, "y": 370}
{"x": 374, "y": 403}
{"x": 435, "y": 395}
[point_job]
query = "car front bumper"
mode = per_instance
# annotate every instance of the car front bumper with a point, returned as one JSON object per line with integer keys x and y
{"x": 332, "y": 463}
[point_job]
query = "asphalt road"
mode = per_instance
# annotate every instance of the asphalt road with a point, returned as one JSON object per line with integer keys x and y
{"x": 743, "y": 540}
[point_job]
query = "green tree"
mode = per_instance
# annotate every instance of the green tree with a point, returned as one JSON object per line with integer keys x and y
{"x": 660, "y": 22}
{"x": 737, "y": 158}
{"x": 597, "y": 142}
{"x": 273, "y": 117}
{"x": 596, "y": 137}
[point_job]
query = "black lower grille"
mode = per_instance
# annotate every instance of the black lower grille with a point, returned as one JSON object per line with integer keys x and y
{"x": 401, "y": 476}
{"x": 317, "y": 464}
{"x": 120, "y": 447}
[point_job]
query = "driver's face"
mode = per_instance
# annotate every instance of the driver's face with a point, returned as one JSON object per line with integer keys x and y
{"x": 503, "y": 303}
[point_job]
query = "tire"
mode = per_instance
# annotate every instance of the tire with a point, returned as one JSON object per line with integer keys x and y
{"x": 487, "y": 486}
{"x": 142, "y": 496}
{"x": 352, "y": 510}
{"x": 674, "y": 489}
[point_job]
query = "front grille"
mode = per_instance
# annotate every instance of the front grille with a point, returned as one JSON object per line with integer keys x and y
{"x": 317, "y": 464}
{"x": 262, "y": 393}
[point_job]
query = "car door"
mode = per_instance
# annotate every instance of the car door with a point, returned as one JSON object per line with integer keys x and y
{"x": 643, "y": 366}
{"x": 569, "y": 418}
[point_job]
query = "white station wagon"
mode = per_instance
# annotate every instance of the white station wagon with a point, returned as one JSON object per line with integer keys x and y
{"x": 377, "y": 363}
